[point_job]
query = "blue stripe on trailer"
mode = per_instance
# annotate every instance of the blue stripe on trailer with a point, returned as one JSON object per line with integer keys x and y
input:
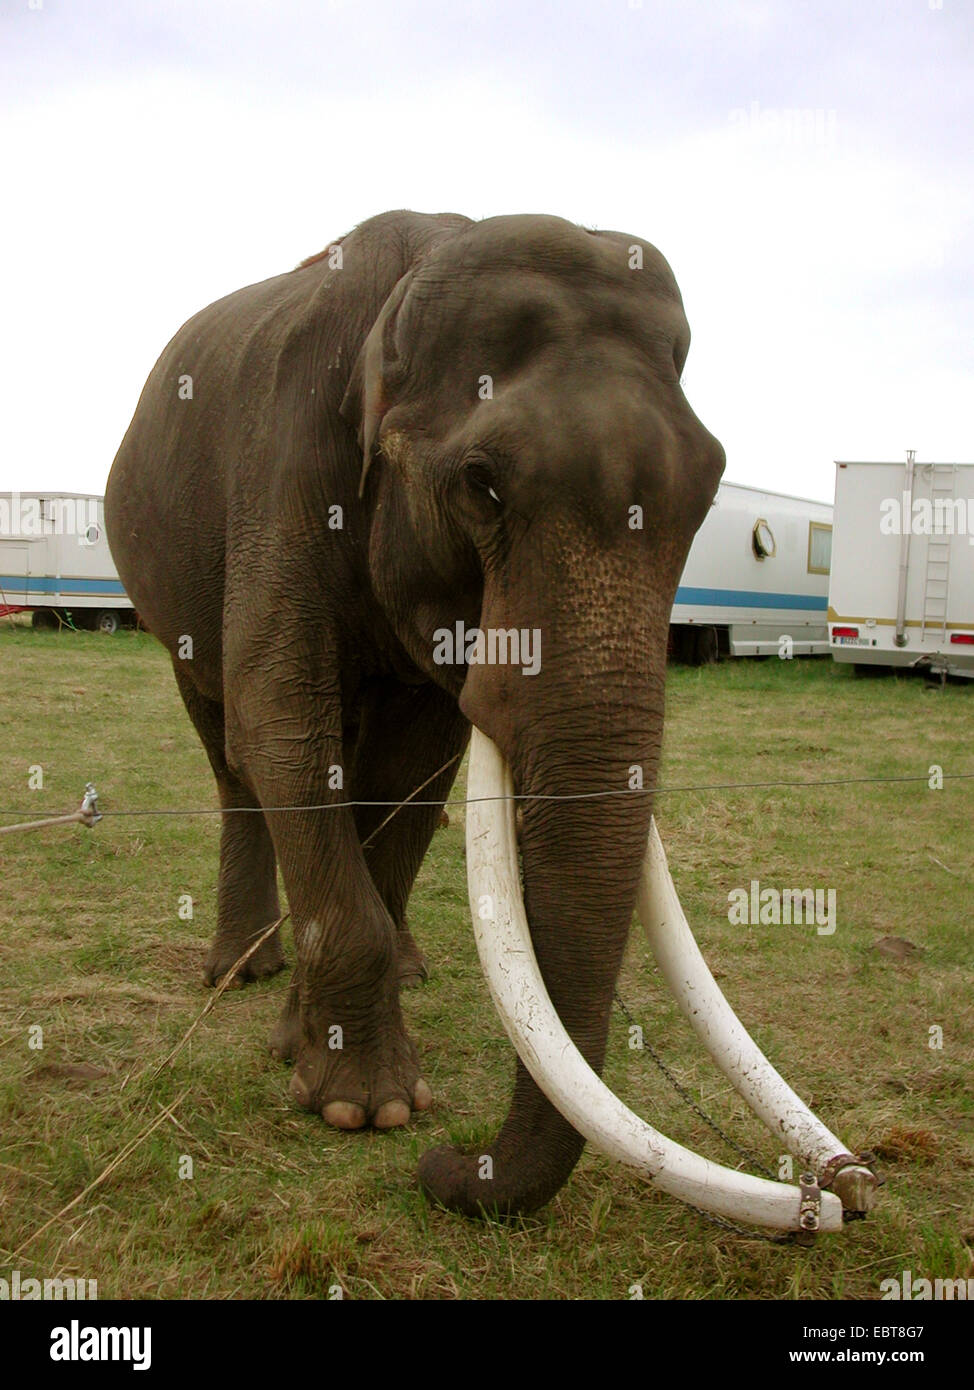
{"x": 718, "y": 598}
{"x": 40, "y": 584}
{"x": 749, "y": 598}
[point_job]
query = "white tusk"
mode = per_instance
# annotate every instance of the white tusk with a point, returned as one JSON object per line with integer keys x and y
{"x": 507, "y": 955}
{"x": 727, "y": 1040}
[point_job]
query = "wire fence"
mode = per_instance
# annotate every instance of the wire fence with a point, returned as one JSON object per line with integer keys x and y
{"x": 688, "y": 789}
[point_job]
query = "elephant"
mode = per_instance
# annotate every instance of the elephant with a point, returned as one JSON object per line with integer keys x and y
{"x": 434, "y": 426}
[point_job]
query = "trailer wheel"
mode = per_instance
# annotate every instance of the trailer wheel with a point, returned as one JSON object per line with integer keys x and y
{"x": 705, "y": 646}
{"x": 106, "y": 620}
{"x": 681, "y": 644}
{"x": 694, "y": 646}
{"x": 43, "y": 620}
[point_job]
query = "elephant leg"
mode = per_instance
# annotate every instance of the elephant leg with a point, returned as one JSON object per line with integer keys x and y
{"x": 342, "y": 1025}
{"x": 406, "y": 733}
{"x": 247, "y": 900}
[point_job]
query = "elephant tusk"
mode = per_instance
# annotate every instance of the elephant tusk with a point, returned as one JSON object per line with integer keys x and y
{"x": 730, "y": 1045}
{"x": 507, "y": 955}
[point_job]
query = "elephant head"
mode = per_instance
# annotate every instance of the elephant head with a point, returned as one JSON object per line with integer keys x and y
{"x": 534, "y": 474}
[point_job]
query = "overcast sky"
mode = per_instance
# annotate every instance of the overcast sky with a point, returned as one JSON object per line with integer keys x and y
{"x": 806, "y": 168}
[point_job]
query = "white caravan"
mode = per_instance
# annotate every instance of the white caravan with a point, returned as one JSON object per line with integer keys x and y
{"x": 902, "y": 584}
{"x": 757, "y": 574}
{"x": 55, "y": 561}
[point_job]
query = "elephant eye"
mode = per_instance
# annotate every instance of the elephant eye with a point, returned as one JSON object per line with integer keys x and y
{"x": 480, "y": 480}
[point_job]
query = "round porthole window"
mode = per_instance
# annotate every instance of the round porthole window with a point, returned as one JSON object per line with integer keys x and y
{"x": 92, "y": 533}
{"x": 762, "y": 539}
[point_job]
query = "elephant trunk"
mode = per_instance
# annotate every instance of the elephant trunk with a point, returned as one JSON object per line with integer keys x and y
{"x": 581, "y": 862}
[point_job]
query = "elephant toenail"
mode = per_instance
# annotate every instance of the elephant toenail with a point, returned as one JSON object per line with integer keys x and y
{"x": 344, "y": 1114}
{"x": 391, "y": 1114}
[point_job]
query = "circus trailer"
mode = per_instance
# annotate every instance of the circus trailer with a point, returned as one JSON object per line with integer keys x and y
{"x": 901, "y": 591}
{"x": 756, "y": 579}
{"x": 55, "y": 562}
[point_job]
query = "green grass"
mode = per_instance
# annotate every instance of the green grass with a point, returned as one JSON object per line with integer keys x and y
{"x": 94, "y": 952}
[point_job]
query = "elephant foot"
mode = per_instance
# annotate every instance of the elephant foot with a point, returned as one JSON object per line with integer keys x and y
{"x": 352, "y": 1084}
{"x": 374, "y": 1085}
{"x": 411, "y": 964}
{"x": 225, "y": 952}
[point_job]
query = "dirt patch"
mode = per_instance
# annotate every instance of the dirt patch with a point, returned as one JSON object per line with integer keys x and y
{"x": 897, "y": 947}
{"x": 78, "y": 1072}
{"x": 907, "y": 1145}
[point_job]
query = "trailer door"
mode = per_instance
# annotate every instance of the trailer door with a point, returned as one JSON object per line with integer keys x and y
{"x": 14, "y": 570}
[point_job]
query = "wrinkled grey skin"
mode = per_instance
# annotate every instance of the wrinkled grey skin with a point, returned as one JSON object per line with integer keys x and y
{"x": 312, "y": 647}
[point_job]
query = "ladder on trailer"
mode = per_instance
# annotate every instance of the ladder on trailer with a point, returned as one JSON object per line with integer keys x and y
{"x": 936, "y": 581}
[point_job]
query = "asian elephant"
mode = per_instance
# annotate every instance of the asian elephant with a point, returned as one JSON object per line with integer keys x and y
{"x": 433, "y": 422}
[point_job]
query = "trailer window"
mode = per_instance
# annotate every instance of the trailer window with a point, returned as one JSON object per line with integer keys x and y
{"x": 762, "y": 540}
{"x": 819, "y": 547}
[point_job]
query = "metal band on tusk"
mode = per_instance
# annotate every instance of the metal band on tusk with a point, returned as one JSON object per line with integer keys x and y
{"x": 811, "y": 1207}
{"x": 507, "y": 954}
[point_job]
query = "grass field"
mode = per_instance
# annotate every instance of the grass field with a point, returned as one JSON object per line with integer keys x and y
{"x": 95, "y": 953}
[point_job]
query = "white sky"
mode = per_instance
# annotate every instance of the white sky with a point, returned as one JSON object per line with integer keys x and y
{"x": 155, "y": 156}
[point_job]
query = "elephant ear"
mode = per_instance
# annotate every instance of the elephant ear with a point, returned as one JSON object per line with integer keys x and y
{"x": 368, "y": 394}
